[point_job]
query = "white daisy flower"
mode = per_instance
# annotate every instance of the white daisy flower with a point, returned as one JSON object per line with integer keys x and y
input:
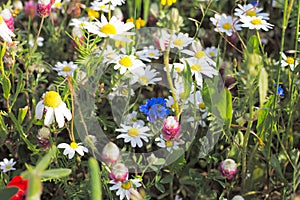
{"x": 65, "y": 68}
{"x": 124, "y": 188}
{"x": 197, "y": 52}
{"x": 101, "y": 6}
{"x": 7, "y": 165}
{"x": 180, "y": 41}
{"x": 145, "y": 76}
{"x": 70, "y": 149}
{"x": 128, "y": 62}
{"x": 170, "y": 145}
{"x": 109, "y": 55}
{"x": 54, "y": 108}
{"x": 114, "y": 2}
{"x": 199, "y": 68}
{"x": 134, "y": 134}
{"x": 196, "y": 99}
{"x": 256, "y": 23}
{"x": 148, "y": 53}
{"x": 225, "y": 24}
{"x": 131, "y": 118}
{"x": 114, "y": 28}
{"x": 200, "y": 120}
{"x": 5, "y": 32}
{"x": 80, "y": 22}
{"x": 288, "y": 61}
{"x": 211, "y": 52}
{"x": 120, "y": 90}
{"x": 40, "y": 42}
{"x": 250, "y": 10}
{"x": 57, "y": 4}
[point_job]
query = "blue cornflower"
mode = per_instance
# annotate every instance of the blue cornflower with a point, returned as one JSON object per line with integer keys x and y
{"x": 280, "y": 90}
{"x": 155, "y": 108}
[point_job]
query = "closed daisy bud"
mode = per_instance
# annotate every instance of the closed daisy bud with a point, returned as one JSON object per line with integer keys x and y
{"x": 43, "y": 138}
{"x": 119, "y": 172}
{"x": 228, "y": 168}
{"x": 110, "y": 153}
{"x": 171, "y": 128}
{"x": 238, "y": 197}
{"x": 44, "y": 8}
{"x": 8, "y": 18}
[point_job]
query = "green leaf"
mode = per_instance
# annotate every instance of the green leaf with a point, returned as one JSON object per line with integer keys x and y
{"x": 7, "y": 193}
{"x": 146, "y": 7}
{"x": 263, "y": 86}
{"x": 56, "y": 173}
{"x": 95, "y": 182}
{"x": 46, "y": 160}
{"x": 22, "y": 113}
{"x": 35, "y": 185}
{"x": 6, "y": 87}
{"x": 160, "y": 187}
{"x": 167, "y": 179}
{"x": 276, "y": 165}
{"x": 187, "y": 82}
{"x": 228, "y": 108}
{"x": 253, "y": 45}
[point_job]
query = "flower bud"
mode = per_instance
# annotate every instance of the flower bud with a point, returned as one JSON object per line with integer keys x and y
{"x": 43, "y": 138}
{"x": 44, "y": 8}
{"x": 110, "y": 153}
{"x": 8, "y": 18}
{"x": 18, "y": 7}
{"x": 238, "y": 197}
{"x": 30, "y": 9}
{"x": 171, "y": 128}
{"x": 228, "y": 168}
{"x": 119, "y": 172}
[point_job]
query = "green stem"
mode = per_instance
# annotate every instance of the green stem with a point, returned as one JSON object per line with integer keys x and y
{"x": 245, "y": 141}
{"x": 71, "y": 133}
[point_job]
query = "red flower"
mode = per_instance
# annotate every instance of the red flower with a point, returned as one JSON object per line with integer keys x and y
{"x": 21, "y": 184}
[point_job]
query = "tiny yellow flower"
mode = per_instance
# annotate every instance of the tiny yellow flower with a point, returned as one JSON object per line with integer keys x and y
{"x": 93, "y": 14}
{"x": 138, "y": 22}
{"x": 167, "y": 2}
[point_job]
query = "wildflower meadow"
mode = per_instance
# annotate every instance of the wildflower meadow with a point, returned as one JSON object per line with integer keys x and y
{"x": 140, "y": 99}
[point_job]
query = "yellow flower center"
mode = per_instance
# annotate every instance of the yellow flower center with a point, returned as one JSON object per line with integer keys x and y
{"x": 67, "y": 69}
{"x": 133, "y": 132}
{"x": 73, "y": 145}
{"x": 201, "y": 105}
{"x": 126, "y": 61}
{"x": 173, "y": 106}
{"x": 212, "y": 54}
{"x": 251, "y": 13}
{"x": 256, "y": 21}
{"x": 109, "y": 29}
{"x": 178, "y": 42}
{"x": 151, "y": 54}
{"x": 1, "y": 19}
{"x": 124, "y": 91}
{"x": 126, "y": 185}
{"x": 177, "y": 69}
{"x": 92, "y": 13}
{"x": 226, "y": 26}
{"x": 143, "y": 80}
{"x": 169, "y": 143}
{"x": 196, "y": 68}
{"x": 52, "y": 99}
{"x": 181, "y": 95}
{"x": 8, "y": 167}
{"x": 102, "y": 7}
{"x": 58, "y": 4}
{"x": 82, "y": 24}
{"x": 200, "y": 54}
{"x": 290, "y": 60}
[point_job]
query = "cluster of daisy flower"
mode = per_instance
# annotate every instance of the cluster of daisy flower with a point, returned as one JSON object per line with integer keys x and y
{"x": 247, "y": 16}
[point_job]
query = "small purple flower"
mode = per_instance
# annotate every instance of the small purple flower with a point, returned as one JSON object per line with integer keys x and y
{"x": 30, "y": 9}
{"x": 155, "y": 108}
{"x": 171, "y": 128}
{"x": 228, "y": 168}
{"x": 44, "y": 8}
{"x": 119, "y": 172}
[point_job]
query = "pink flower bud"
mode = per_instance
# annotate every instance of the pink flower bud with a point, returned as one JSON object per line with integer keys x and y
{"x": 171, "y": 128}
{"x": 44, "y": 8}
{"x": 119, "y": 172}
{"x": 8, "y": 18}
{"x": 110, "y": 153}
{"x": 30, "y": 9}
{"x": 228, "y": 168}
